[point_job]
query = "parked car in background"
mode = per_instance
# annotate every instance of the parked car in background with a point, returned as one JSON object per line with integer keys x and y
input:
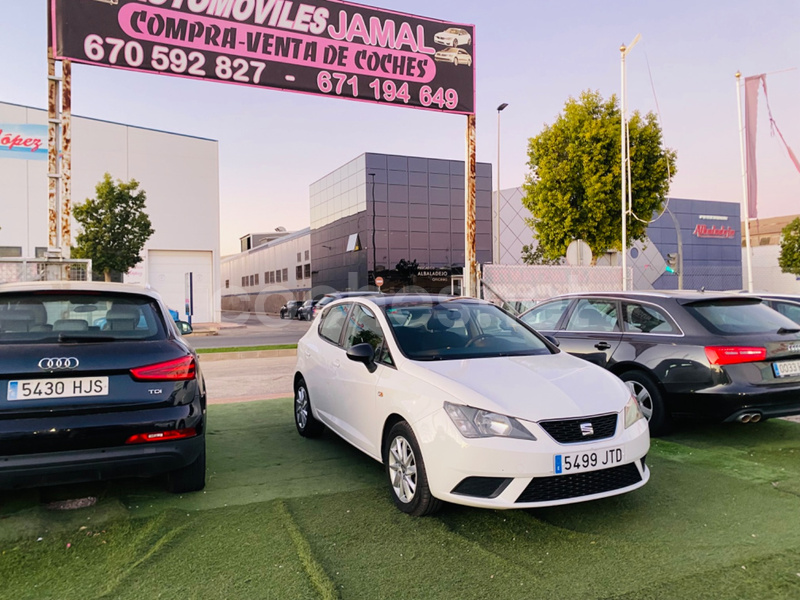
{"x": 786, "y": 304}
{"x": 83, "y": 402}
{"x": 684, "y": 354}
{"x": 463, "y": 403}
{"x": 289, "y": 310}
{"x": 305, "y": 312}
{"x": 328, "y": 298}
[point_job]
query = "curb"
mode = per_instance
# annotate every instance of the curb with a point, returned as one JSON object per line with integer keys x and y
{"x": 218, "y": 356}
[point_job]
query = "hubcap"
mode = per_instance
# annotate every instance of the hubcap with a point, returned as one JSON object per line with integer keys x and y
{"x": 402, "y": 469}
{"x": 301, "y": 407}
{"x": 642, "y": 397}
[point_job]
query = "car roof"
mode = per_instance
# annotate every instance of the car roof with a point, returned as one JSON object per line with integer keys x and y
{"x": 682, "y": 296}
{"x": 78, "y": 286}
{"x": 338, "y": 295}
{"x": 409, "y": 300}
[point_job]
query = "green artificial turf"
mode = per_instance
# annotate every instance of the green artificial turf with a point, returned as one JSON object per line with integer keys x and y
{"x": 246, "y": 348}
{"x": 284, "y": 517}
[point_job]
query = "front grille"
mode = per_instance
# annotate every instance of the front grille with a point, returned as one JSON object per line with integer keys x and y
{"x": 482, "y": 487}
{"x": 559, "y": 487}
{"x": 569, "y": 431}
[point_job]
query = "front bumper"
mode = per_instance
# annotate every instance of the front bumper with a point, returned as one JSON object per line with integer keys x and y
{"x": 524, "y": 470}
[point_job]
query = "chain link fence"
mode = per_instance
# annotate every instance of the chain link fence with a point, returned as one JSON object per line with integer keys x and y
{"x": 13, "y": 270}
{"x": 520, "y": 286}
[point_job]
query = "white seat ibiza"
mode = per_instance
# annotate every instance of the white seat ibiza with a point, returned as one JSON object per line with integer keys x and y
{"x": 463, "y": 403}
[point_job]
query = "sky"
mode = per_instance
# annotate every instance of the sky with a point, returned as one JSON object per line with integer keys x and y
{"x": 530, "y": 54}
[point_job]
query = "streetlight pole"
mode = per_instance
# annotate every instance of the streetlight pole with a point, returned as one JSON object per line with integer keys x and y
{"x": 624, "y": 160}
{"x": 374, "y": 264}
{"x": 496, "y": 254}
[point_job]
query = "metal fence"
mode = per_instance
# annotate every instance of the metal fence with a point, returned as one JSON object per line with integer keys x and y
{"x": 531, "y": 283}
{"x": 13, "y": 270}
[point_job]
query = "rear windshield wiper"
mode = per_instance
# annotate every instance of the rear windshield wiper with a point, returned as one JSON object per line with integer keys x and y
{"x": 787, "y": 330}
{"x": 85, "y": 338}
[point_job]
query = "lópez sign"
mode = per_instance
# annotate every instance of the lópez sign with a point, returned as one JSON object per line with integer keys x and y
{"x": 325, "y": 47}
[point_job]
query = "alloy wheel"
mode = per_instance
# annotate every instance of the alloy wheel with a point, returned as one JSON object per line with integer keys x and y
{"x": 642, "y": 397}
{"x": 301, "y": 407}
{"x": 403, "y": 469}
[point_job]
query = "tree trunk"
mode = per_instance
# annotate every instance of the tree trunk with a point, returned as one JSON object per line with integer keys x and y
{"x": 107, "y": 274}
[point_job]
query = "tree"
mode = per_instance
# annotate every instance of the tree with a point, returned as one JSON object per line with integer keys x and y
{"x": 115, "y": 226}
{"x": 532, "y": 255}
{"x": 574, "y": 186}
{"x": 789, "y": 259}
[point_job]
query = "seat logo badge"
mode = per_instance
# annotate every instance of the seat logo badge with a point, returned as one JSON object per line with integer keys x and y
{"x": 52, "y": 364}
{"x": 587, "y": 429}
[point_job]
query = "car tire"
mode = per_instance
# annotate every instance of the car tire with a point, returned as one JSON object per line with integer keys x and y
{"x": 455, "y": 62}
{"x": 405, "y": 469}
{"x": 455, "y": 42}
{"x": 650, "y": 400}
{"x": 283, "y": 315}
{"x": 191, "y": 478}
{"x": 307, "y": 425}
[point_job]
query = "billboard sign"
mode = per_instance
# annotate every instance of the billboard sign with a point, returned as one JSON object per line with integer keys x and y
{"x": 322, "y": 47}
{"x": 28, "y": 142}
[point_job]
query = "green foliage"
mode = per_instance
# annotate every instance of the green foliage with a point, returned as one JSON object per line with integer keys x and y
{"x": 789, "y": 259}
{"x": 573, "y": 190}
{"x": 115, "y": 226}
{"x": 533, "y": 255}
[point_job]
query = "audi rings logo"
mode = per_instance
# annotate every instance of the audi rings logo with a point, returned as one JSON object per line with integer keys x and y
{"x": 53, "y": 364}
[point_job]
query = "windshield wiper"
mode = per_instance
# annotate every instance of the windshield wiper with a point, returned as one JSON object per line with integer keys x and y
{"x": 85, "y": 338}
{"x": 786, "y": 330}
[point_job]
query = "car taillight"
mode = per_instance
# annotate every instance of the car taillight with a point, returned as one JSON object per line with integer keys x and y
{"x": 180, "y": 369}
{"x": 162, "y": 436}
{"x": 733, "y": 355}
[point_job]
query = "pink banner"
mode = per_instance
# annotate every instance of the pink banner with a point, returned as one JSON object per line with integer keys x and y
{"x": 750, "y": 130}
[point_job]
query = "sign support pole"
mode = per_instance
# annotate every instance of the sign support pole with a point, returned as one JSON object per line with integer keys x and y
{"x": 470, "y": 262}
{"x": 745, "y": 199}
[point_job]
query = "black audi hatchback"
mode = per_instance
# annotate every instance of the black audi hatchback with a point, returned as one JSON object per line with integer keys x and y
{"x": 684, "y": 354}
{"x": 95, "y": 383}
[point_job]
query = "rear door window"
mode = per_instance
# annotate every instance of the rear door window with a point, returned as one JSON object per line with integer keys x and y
{"x": 53, "y": 316}
{"x": 646, "y": 318}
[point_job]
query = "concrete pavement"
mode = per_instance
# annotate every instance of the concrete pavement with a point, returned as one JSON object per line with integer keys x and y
{"x": 248, "y": 379}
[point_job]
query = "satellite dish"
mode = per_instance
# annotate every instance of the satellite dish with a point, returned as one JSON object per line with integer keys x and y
{"x": 579, "y": 254}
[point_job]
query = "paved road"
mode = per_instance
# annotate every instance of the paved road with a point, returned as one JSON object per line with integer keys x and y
{"x": 258, "y": 330}
{"x": 248, "y": 379}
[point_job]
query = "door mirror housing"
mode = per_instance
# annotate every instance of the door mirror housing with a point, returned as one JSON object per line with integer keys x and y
{"x": 363, "y": 353}
{"x": 552, "y": 340}
{"x": 183, "y": 327}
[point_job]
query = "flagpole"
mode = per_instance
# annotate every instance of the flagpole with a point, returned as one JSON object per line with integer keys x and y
{"x": 745, "y": 203}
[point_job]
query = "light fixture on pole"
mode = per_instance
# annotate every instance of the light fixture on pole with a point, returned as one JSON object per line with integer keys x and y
{"x": 624, "y": 158}
{"x": 496, "y": 247}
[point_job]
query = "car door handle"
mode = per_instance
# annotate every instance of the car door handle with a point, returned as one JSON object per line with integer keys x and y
{"x": 602, "y": 345}
{"x": 336, "y": 364}
{"x": 308, "y": 354}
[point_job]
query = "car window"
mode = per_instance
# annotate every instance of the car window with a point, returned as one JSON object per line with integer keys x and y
{"x": 39, "y": 317}
{"x": 546, "y": 316}
{"x": 333, "y": 319}
{"x": 788, "y": 309}
{"x": 645, "y": 318}
{"x": 362, "y": 327}
{"x": 591, "y": 314}
{"x": 727, "y": 317}
{"x": 454, "y": 330}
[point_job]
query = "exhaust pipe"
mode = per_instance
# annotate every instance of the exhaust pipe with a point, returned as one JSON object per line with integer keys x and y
{"x": 755, "y": 418}
{"x": 745, "y": 418}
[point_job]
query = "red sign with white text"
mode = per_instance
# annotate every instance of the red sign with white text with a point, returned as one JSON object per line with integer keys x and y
{"x": 324, "y": 47}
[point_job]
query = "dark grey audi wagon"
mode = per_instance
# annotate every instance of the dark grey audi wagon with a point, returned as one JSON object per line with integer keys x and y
{"x": 96, "y": 382}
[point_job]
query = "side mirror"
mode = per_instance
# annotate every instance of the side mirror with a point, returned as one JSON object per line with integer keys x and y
{"x": 183, "y": 327}
{"x": 552, "y": 340}
{"x": 363, "y": 353}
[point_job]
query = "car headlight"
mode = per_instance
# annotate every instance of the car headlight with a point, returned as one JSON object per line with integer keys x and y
{"x": 632, "y": 412}
{"x": 477, "y": 423}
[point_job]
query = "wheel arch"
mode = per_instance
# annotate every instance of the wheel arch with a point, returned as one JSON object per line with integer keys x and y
{"x": 392, "y": 420}
{"x": 621, "y": 368}
{"x": 297, "y": 377}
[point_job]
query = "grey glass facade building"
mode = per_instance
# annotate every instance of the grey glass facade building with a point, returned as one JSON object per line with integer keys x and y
{"x": 388, "y": 208}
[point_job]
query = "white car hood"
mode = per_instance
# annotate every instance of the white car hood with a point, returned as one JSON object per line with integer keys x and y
{"x": 534, "y": 388}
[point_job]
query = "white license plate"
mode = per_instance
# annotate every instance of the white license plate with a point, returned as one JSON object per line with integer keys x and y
{"x": 575, "y": 462}
{"x": 787, "y": 368}
{"x": 70, "y": 387}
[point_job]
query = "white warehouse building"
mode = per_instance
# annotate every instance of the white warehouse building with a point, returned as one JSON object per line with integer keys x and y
{"x": 179, "y": 173}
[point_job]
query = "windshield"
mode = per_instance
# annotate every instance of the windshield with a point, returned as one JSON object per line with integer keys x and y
{"x": 78, "y": 316}
{"x": 457, "y": 329}
{"x": 730, "y": 317}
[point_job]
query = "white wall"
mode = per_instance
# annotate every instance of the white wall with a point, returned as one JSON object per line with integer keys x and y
{"x": 767, "y": 275}
{"x": 179, "y": 173}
